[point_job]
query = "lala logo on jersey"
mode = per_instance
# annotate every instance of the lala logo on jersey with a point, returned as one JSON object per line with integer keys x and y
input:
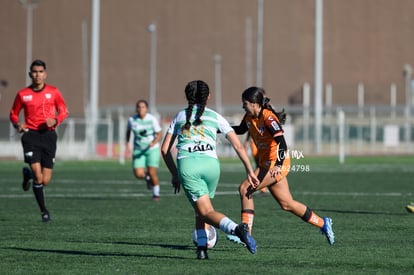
{"x": 48, "y": 96}
{"x": 200, "y": 147}
{"x": 27, "y": 98}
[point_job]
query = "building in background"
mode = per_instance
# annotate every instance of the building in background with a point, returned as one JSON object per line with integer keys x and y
{"x": 364, "y": 42}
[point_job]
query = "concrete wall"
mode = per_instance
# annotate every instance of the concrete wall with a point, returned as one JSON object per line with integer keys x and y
{"x": 365, "y": 41}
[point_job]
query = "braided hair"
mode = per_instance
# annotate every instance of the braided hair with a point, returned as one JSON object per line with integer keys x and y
{"x": 257, "y": 95}
{"x": 196, "y": 92}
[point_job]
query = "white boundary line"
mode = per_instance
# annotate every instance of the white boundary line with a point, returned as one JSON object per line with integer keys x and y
{"x": 128, "y": 194}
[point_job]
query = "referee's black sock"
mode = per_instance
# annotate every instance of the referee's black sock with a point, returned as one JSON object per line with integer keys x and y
{"x": 39, "y": 195}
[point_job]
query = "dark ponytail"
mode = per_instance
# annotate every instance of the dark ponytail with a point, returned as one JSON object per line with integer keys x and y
{"x": 196, "y": 92}
{"x": 281, "y": 116}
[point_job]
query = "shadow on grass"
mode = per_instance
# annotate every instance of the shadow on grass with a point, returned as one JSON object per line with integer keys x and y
{"x": 90, "y": 253}
{"x": 362, "y": 212}
{"x": 167, "y": 246}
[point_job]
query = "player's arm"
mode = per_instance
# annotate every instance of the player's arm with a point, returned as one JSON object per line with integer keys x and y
{"x": 158, "y": 133}
{"x": 14, "y": 115}
{"x": 157, "y": 139}
{"x": 281, "y": 155}
{"x": 166, "y": 147}
{"x": 275, "y": 129}
{"x": 242, "y": 128}
{"x": 241, "y": 152}
{"x": 62, "y": 110}
{"x": 128, "y": 137}
{"x": 281, "y": 149}
{"x": 247, "y": 142}
{"x": 166, "y": 153}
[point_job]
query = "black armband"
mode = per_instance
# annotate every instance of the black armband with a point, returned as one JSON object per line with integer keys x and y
{"x": 281, "y": 149}
{"x": 239, "y": 130}
{"x": 242, "y": 128}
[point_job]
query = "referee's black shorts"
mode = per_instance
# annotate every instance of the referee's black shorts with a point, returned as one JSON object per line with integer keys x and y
{"x": 39, "y": 146}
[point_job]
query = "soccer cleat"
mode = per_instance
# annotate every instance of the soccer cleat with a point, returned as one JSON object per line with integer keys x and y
{"x": 327, "y": 230}
{"x": 155, "y": 198}
{"x": 202, "y": 253}
{"x": 27, "y": 178}
{"x": 242, "y": 231}
{"x": 46, "y": 217}
{"x": 410, "y": 208}
{"x": 235, "y": 239}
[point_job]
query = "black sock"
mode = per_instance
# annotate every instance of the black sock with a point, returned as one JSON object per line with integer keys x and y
{"x": 40, "y": 197}
{"x": 148, "y": 177}
{"x": 307, "y": 214}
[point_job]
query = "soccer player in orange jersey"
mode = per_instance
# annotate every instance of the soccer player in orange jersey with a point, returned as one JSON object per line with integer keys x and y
{"x": 249, "y": 142}
{"x": 264, "y": 126}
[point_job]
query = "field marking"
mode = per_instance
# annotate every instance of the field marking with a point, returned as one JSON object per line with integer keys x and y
{"x": 332, "y": 168}
{"x": 128, "y": 194}
{"x": 109, "y": 189}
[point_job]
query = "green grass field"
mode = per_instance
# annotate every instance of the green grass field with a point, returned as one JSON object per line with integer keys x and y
{"x": 104, "y": 222}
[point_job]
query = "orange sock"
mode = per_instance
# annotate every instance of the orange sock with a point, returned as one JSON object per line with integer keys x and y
{"x": 315, "y": 220}
{"x": 312, "y": 218}
{"x": 247, "y": 216}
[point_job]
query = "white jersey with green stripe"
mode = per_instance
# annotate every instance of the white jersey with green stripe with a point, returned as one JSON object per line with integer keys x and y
{"x": 201, "y": 139}
{"x": 144, "y": 129}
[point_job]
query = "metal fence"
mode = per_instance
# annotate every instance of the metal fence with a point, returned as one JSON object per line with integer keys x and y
{"x": 346, "y": 130}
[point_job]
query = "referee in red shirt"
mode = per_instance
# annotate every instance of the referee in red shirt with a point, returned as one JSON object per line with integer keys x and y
{"x": 44, "y": 109}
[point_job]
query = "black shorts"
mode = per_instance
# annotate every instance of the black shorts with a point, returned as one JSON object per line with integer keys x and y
{"x": 40, "y": 146}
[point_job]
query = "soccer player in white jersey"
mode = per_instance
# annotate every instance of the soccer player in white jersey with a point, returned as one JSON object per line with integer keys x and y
{"x": 146, "y": 148}
{"x": 197, "y": 167}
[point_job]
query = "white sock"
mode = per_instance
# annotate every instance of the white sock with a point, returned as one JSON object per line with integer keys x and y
{"x": 228, "y": 226}
{"x": 156, "y": 190}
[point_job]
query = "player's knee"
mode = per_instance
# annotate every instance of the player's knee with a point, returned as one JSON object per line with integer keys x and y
{"x": 244, "y": 186}
{"x": 139, "y": 175}
{"x": 207, "y": 212}
{"x": 45, "y": 181}
{"x": 285, "y": 206}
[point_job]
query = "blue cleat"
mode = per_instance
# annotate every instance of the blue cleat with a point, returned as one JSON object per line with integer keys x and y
{"x": 242, "y": 231}
{"x": 235, "y": 239}
{"x": 327, "y": 230}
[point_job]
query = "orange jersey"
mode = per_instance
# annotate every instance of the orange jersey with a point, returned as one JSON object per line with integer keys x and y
{"x": 253, "y": 147}
{"x": 263, "y": 130}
